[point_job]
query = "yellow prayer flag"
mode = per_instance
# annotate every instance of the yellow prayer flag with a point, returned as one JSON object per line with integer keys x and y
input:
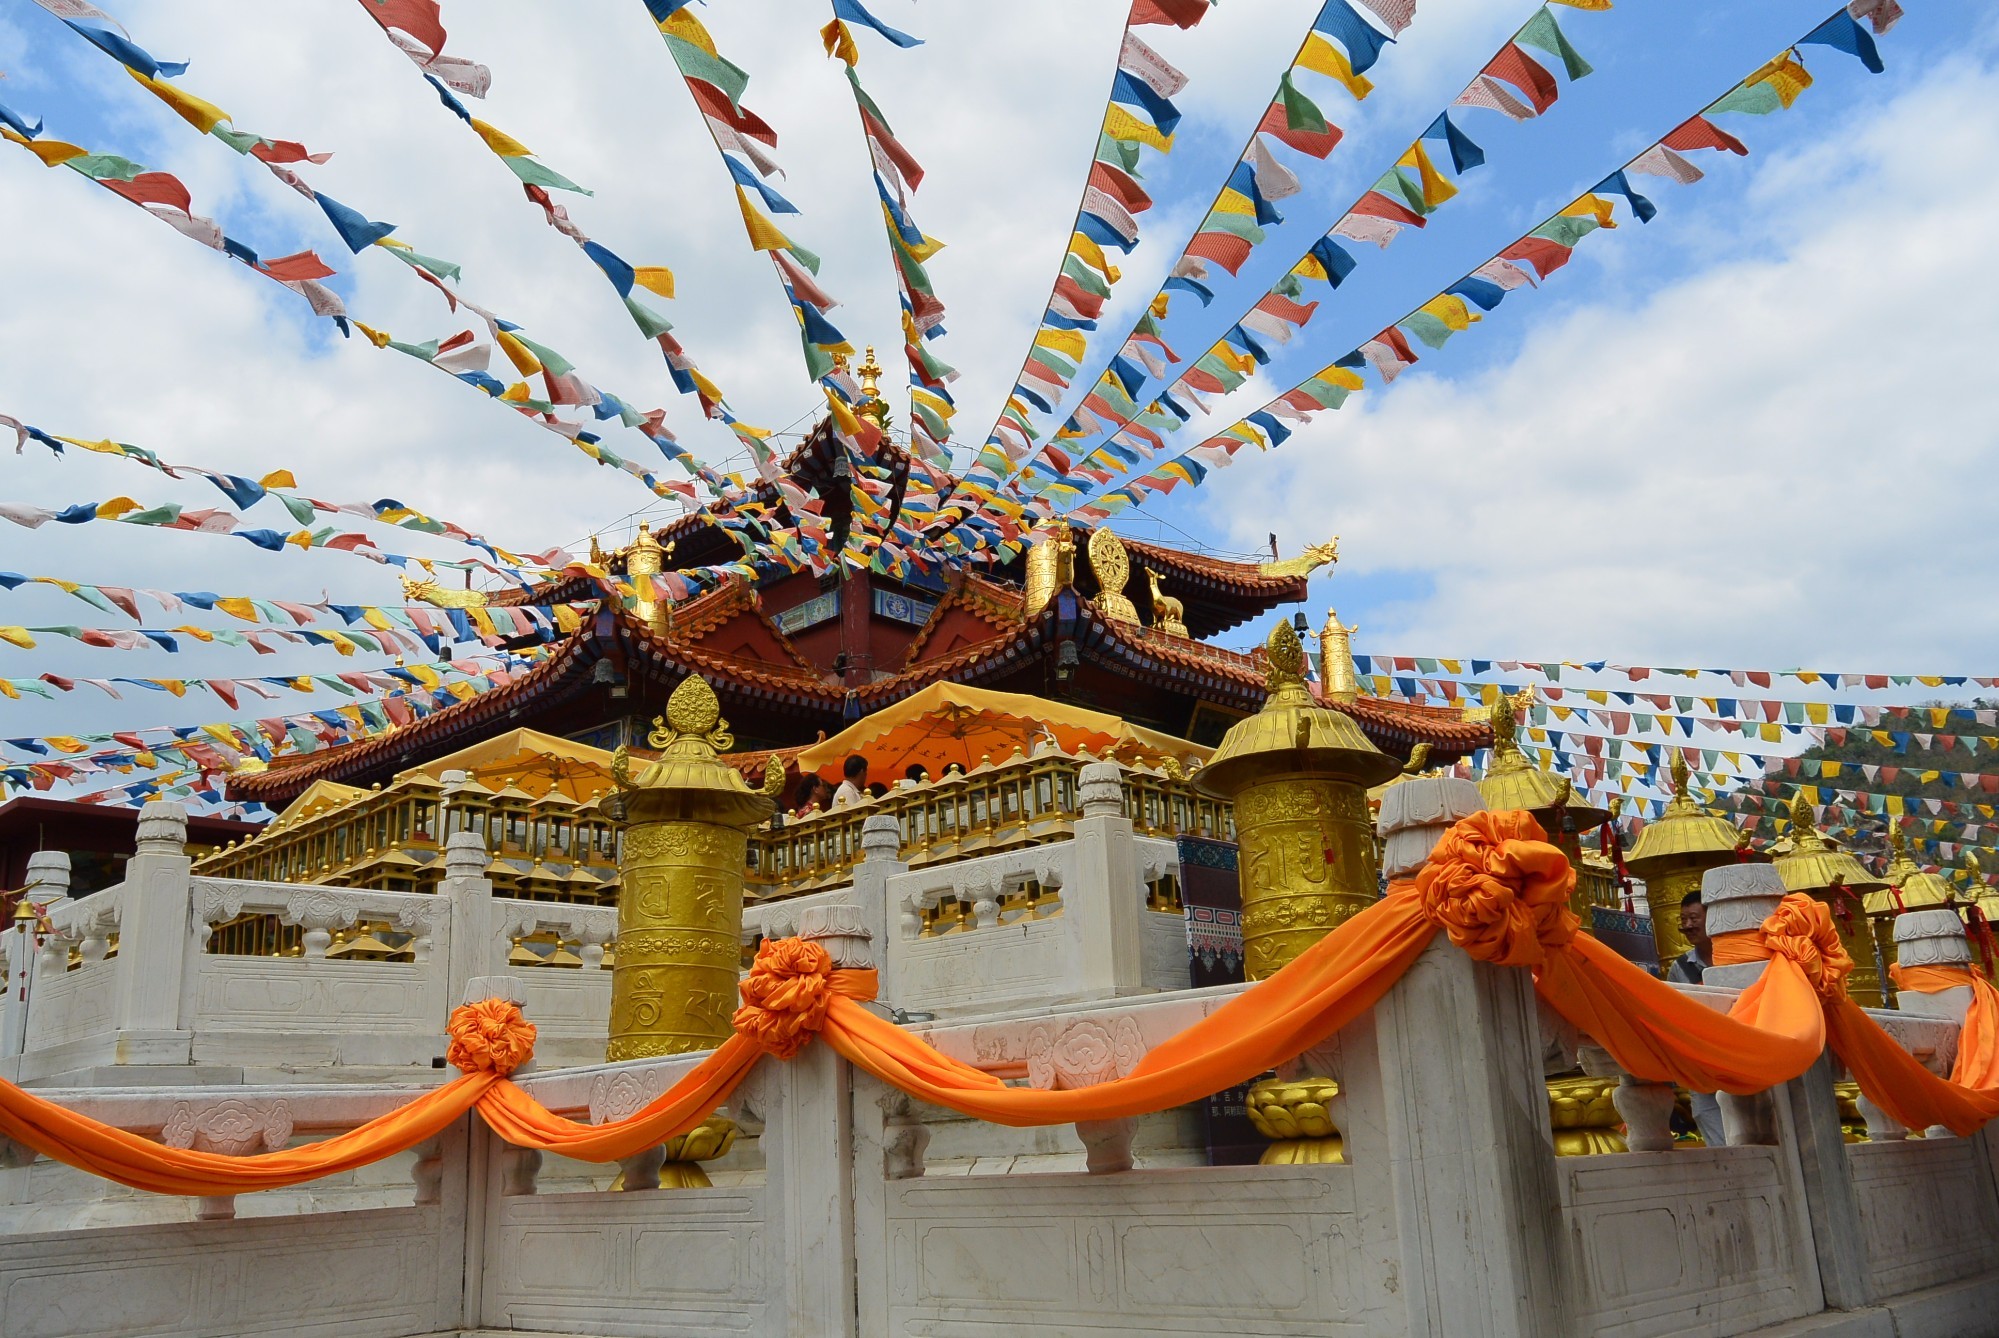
{"x": 499, "y": 141}
{"x": 1785, "y": 76}
{"x": 1344, "y": 377}
{"x": 146, "y": 757}
{"x": 177, "y": 686}
{"x": 1928, "y": 681}
{"x": 839, "y": 42}
{"x": 1084, "y": 247}
{"x": 303, "y": 539}
{"x": 198, "y": 633}
{"x": 464, "y": 692}
{"x": 567, "y": 619}
{"x": 1451, "y": 310}
{"x": 1591, "y": 206}
{"x": 116, "y": 507}
{"x": 1241, "y": 362}
{"x": 105, "y": 447}
{"x": 1235, "y": 202}
{"x": 1158, "y": 307}
{"x": 63, "y": 743}
{"x": 682, "y": 24}
{"x": 10, "y": 689}
{"x": 278, "y": 478}
{"x": 238, "y": 607}
{"x": 764, "y": 235}
{"x": 707, "y": 389}
{"x": 1593, "y": 5}
{"x": 518, "y": 354}
{"x": 1816, "y": 712}
{"x": 1321, "y": 57}
{"x": 517, "y": 393}
{"x": 1436, "y": 189}
{"x": 202, "y": 115}
{"x": 17, "y": 636}
{"x": 1125, "y": 128}
{"x": 52, "y": 152}
{"x": 1070, "y": 342}
{"x": 379, "y": 338}
{"x": 654, "y": 279}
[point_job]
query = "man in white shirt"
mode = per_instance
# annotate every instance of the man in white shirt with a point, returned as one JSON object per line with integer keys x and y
{"x": 855, "y": 787}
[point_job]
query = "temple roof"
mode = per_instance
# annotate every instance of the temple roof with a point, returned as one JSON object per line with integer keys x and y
{"x": 614, "y": 651}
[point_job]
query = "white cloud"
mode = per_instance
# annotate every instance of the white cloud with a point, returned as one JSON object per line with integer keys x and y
{"x": 1785, "y": 457}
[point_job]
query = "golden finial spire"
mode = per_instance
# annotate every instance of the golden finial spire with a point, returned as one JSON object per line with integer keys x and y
{"x": 872, "y": 404}
{"x": 1679, "y": 774}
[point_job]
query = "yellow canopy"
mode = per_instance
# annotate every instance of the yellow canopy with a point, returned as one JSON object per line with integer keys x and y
{"x": 532, "y": 762}
{"x": 950, "y": 722}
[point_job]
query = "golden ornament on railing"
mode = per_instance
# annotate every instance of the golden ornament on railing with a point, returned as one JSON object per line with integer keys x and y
{"x": 1672, "y": 854}
{"x": 1298, "y": 775}
{"x": 1810, "y": 863}
{"x": 1296, "y": 1116}
{"x": 680, "y": 907}
{"x": 1585, "y": 1122}
{"x": 1051, "y": 564}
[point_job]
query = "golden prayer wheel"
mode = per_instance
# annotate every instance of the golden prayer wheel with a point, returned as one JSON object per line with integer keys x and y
{"x": 1814, "y": 865}
{"x": 1512, "y": 782}
{"x": 1298, "y": 775}
{"x": 687, "y": 820}
{"x": 1672, "y": 854}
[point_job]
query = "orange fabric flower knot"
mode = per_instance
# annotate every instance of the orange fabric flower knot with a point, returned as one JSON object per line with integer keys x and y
{"x": 489, "y": 1036}
{"x": 1499, "y": 889}
{"x": 1801, "y": 929}
{"x": 785, "y": 995}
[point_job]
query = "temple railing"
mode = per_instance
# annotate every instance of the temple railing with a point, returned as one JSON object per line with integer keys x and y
{"x": 1020, "y": 802}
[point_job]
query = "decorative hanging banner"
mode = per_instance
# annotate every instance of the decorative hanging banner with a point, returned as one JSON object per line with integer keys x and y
{"x": 1543, "y": 250}
{"x": 1404, "y": 196}
{"x": 1138, "y": 114}
{"x": 897, "y": 175}
{"x": 466, "y": 359}
{"x": 1762, "y": 678}
{"x": 418, "y": 31}
{"x": 741, "y": 138}
{"x": 246, "y": 492}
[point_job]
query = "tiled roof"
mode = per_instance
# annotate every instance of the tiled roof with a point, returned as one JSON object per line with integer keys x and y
{"x": 1220, "y": 574}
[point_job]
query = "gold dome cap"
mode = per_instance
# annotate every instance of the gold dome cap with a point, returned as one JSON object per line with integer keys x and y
{"x": 689, "y": 781}
{"x": 1292, "y": 732}
{"x": 1813, "y": 863}
{"x": 1919, "y": 891}
{"x": 1683, "y": 834}
{"x": 1511, "y": 781}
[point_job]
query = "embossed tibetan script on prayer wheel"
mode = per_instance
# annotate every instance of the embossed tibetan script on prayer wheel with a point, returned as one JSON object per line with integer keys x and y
{"x": 1298, "y": 774}
{"x": 680, "y": 908}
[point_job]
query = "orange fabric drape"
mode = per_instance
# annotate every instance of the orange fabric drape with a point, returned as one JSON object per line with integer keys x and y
{"x": 1330, "y": 984}
{"x": 1772, "y": 1034}
{"x": 117, "y": 1154}
{"x": 1739, "y": 946}
{"x": 1927, "y": 979}
{"x": 513, "y": 1113}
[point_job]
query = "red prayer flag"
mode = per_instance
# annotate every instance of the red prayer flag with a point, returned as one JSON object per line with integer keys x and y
{"x": 714, "y": 102}
{"x": 304, "y": 265}
{"x": 1376, "y": 205}
{"x": 1512, "y": 65}
{"x": 154, "y": 188}
{"x": 1179, "y": 13}
{"x": 1544, "y": 255}
{"x": 1120, "y": 187}
{"x": 1701, "y": 133}
{"x": 1317, "y": 143}
{"x": 1224, "y": 248}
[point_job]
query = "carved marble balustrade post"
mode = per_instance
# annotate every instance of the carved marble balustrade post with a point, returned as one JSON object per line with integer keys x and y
{"x": 472, "y": 946}
{"x": 1102, "y": 894}
{"x": 1933, "y": 938}
{"x": 687, "y": 819}
{"x": 154, "y": 939}
{"x": 881, "y": 859}
{"x": 1739, "y": 898}
{"x": 47, "y": 887}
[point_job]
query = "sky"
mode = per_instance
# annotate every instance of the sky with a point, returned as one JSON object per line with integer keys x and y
{"x": 1757, "y": 431}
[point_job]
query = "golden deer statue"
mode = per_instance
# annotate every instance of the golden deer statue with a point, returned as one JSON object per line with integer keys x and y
{"x": 1168, "y": 614}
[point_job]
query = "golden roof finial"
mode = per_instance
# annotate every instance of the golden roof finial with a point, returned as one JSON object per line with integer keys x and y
{"x": 872, "y": 404}
{"x": 1679, "y": 774}
{"x": 1804, "y": 828}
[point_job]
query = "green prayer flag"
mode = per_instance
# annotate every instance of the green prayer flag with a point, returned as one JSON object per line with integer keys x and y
{"x": 694, "y": 63}
{"x": 1300, "y": 112}
{"x": 534, "y": 174}
{"x": 1544, "y": 33}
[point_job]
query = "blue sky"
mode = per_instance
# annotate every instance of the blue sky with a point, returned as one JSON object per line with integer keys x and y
{"x": 1730, "y": 437}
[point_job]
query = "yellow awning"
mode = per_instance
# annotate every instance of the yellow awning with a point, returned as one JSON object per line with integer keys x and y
{"x": 530, "y": 761}
{"x": 950, "y": 722}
